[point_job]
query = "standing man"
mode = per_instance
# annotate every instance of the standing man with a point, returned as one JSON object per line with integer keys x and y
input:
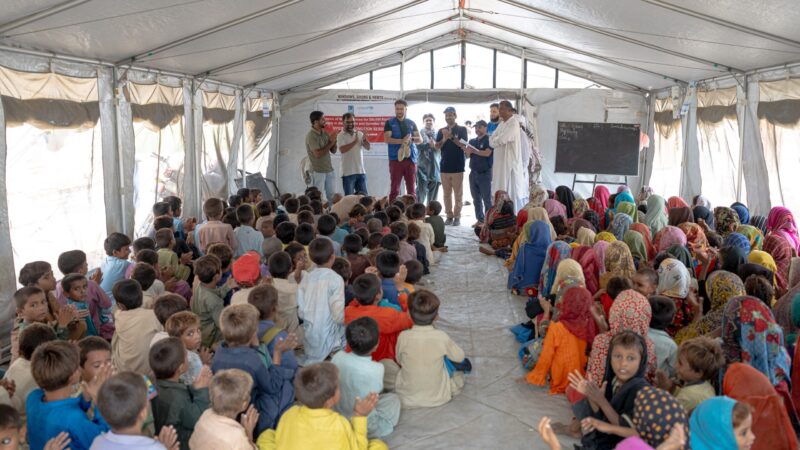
{"x": 401, "y": 136}
{"x": 319, "y": 146}
{"x": 494, "y": 118}
{"x": 452, "y": 165}
{"x": 350, "y": 143}
{"x": 507, "y": 166}
{"x": 480, "y": 171}
{"x": 428, "y": 178}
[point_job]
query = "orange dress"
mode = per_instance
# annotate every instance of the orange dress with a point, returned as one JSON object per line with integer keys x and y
{"x": 571, "y": 356}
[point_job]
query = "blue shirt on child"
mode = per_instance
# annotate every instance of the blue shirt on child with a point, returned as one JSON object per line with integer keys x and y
{"x": 113, "y": 269}
{"x": 390, "y": 290}
{"x": 288, "y": 359}
{"x": 47, "y": 419}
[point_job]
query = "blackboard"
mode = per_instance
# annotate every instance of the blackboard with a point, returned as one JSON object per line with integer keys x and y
{"x": 598, "y": 148}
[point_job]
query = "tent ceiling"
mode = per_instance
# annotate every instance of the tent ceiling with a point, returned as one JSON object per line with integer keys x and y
{"x": 279, "y": 44}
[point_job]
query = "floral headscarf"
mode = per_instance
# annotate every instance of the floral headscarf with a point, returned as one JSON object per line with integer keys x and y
{"x": 605, "y": 236}
{"x": 669, "y": 236}
{"x": 644, "y": 230}
{"x": 695, "y": 236}
{"x": 538, "y": 196}
{"x": 656, "y": 217}
{"x": 587, "y": 258}
{"x": 627, "y": 208}
{"x": 781, "y": 220}
{"x": 585, "y": 236}
{"x": 635, "y": 243}
{"x": 656, "y": 413}
{"x": 737, "y": 240}
{"x": 752, "y": 234}
{"x": 750, "y": 335}
{"x": 600, "y": 248}
{"x": 555, "y": 208}
{"x": 579, "y": 206}
{"x": 618, "y": 263}
{"x": 500, "y": 197}
{"x": 620, "y": 225}
{"x": 726, "y": 220}
{"x": 742, "y": 212}
{"x": 781, "y": 252}
{"x": 721, "y": 286}
{"x": 676, "y": 202}
{"x": 567, "y": 268}
{"x": 673, "y": 279}
{"x": 784, "y": 309}
{"x": 556, "y": 252}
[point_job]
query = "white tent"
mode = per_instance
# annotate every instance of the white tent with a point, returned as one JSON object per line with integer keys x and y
{"x": 159, "y": 96}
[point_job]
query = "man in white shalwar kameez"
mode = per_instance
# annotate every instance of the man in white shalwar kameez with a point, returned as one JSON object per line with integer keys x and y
{"x": 525, "y": 152}
{"x": 507, "y": 170}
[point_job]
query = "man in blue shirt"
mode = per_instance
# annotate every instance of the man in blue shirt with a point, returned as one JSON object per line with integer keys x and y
{"x": 401, "y": 136}
{"x": 452, "y": 165}
{"x": 494, "y": 118}
{"x": 480, "y": 176}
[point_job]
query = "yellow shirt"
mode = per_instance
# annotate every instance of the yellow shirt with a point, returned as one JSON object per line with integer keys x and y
{"x": 303, "y": 428}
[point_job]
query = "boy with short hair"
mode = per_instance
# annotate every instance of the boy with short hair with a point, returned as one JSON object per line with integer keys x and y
{"x": 414, "y": 233}
{"x": 284, "y": 280}
{"x": 32, "y": 308}
{"x": 437, "y": 224}
{"x": 314, "y": 424}
{"x": 74, "y": 261}
{"x": 247, "y": 273}
{"x": 76, "y": 288}
{"x": 666, "y": 349}
{"x": 185, "y": 325}
{"x": 320, "y": 302}
{"x": 115, "y": 265}
{"x": 19, "y": 372}
{"x": 95, "y": 354}
{"x": 265, "y": 299}
{"x": 406, "y": 251}
{"x": 424, "y": 354}
{"x": 225, "y": 255}
{"x": 413, "y": 275}
{"x": 326, "y": 227}
{"x": 388, "y": 265}
{"x": 214, "y": 230}
{"x": 51, "y": 409}
{"x": 645, "y": 281}
{"x": 699, "y": 362}
{"x": 165, "y": 307}
{"x": 217, "y": 427}
{"x": 208, "y": 299}
{"x": 351, "y": 248}
{"x": 177, "y": 405}
{"x": 342, "y": 267}
{"x": 146, "y": 275}
{"x": 249, "y": 239}
{"x": 272, "y": 382}
{"x": 136, "y": 327}
{"x": 122, "y": 401}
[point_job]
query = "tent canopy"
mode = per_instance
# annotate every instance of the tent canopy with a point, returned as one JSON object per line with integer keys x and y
{"x": 282, "y": 44}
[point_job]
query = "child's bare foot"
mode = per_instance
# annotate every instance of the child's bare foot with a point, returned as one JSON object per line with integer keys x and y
{"x": 572, "y": 430}
{"x": 485, "y": 251}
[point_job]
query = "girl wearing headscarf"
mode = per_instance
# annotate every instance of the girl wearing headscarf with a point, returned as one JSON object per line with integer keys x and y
{"x": 783, "y": 307}
{"x": 620, "y": 225}
{"x": 764, "y": 260}
{"x": 676, "y": 202}
{"x": 538, "y": 196}
{"x": 534, "y": 214}
{"x": 585, "y": 237}
{"x": 579, "y": 207}
{"x": 494, "y": 214}
{"x": 781, "y": 220}
{"x": 695, "y": 237}
{"x": 556, "y": 252}
{"x": 669, "y": 236}
{"x": 732, "y": 257}
{"x": 679, "y": 215}
{"x": 721, "y": 286}
{"x": 555, "y": 208}
{"x": 781, "y": 251}
{"x": 644, "y": 230}
{"x": 656, "y": 217}
{"x": 529, "y": 261}
{"x": 618, "y": 262}
{"x": 564, "y": 346}
{"x": 605, "y": 236}
{"x": 566, "y": 197}
{"x": 594, "y": 219}
{"x": 655, "y": 414}
{"x": 704, "y": 214}
{"x": 682, "y": 254}
{"x": 759, "y": 222}
{"x": 600, "y": 205}
{"x": 771, "y": 424}
{"x": 715, "y": 426}
{"x": 627, "y": 208}
{"x": 674, "y": 282}
{"x": 600, "y": 248}
{"x": 568, "y": 272}
{"x": 739, "y": 241}
{"x": 742, "y": 212}
{"x": 752, "y": 234}
{"x": 726, "y": 220}
{"x": 624, "y": 196}
{"x": 635, "y": 243}
{"x": 700, "y": 200}
{"x": 794, "y": 311}
{"x": 587, "y": 258}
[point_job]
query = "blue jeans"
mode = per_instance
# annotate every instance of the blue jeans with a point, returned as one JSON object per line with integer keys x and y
{"x": 325, "y": 182}
{"x": 480, "y": 187}
{"x": 355, "y": 183}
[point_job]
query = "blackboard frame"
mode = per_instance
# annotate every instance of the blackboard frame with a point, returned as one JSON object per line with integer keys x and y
{"x": 562, "y": 141}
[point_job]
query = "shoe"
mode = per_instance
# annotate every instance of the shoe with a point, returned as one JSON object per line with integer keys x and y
{"x": 464, "y": 366}
{"x": 456, "y": 222}
{"x": 449, "y": 221}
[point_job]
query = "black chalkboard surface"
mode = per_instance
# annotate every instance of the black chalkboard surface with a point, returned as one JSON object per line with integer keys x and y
{"x": 598, "y": 148}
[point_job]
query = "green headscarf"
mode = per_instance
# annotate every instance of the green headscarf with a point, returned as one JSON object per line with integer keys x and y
{"x": 629, "y": 209}
{"x": 656, "y": 217}
{"x": 635, "y": 242}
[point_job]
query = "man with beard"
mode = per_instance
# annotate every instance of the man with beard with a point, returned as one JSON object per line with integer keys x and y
{"x": 494, "y": 118}
{"x": 350, "y": 143}
{"x": 480, "y": 171}
{"x": 452, "y": 165}
{"x": 401, "y": 136}
{"x": 428, "y": 178}
{"x": 507, "y": 167}
{"x": 319, "y": 146}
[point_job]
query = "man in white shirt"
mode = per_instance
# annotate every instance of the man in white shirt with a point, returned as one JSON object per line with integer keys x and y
{"x": 350, "y": 142}
{"x": 507, "y": 168}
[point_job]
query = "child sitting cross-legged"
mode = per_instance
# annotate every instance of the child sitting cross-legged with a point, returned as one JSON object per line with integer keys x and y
{"x": 272, "y": 382}
{"x": 314, "y": 424}
{"x": 136, "y": 327}
{"x": 388, "y": 264}
{"x": 265, "y": 299}
{"x": 218, "y": 428}
{"x": 177, "y": 405}
{"x": 51, "y": 409}
{"x": 123, "y": 402}
{"x": 74, "y": 261}
{"x": 359, "y": 376}
{"x": 698, "y": 363}
{"x": 431, "y": 363}
{"x": 186, "y": 326}
{"x": 666, "y": 348}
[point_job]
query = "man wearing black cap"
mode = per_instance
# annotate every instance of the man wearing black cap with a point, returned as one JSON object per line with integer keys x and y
{"x": 480, "y": 171}
{"x": 452, "y": 165}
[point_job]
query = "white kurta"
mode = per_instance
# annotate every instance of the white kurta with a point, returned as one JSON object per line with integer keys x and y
{"x": 525, "y": 153}
{"x": 507, "y": 170}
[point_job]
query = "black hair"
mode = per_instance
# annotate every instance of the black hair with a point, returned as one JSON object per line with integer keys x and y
{"x": 315, "y": 116}
{"x": 285, "y": 232}
{"x": 161, "y": 209}
{"x": 145, "y": 274}
{"x": 121, "y": 399}
{"x": 326, "y": 225}
{"x": 9, "y": 418}
{"x": 144, "y": 243}
{"x": 388, "y": 263}
{"x": 394, "y": 213}
{"x": 280, "y": 265}
{"x": 435, "y": 207}
{"x": 32, "y": 336}
{"x": 663, "y": 311}
{"x": 383, "y": 217}
{"x": 362, "y": 335}
{"x": 399, "y": 229}
{"x": 244, "y": 214}
{"x": 114, "y": 242}
{"x": 166, "y": 357}
{"x": 352, "y": 244}
{"x": 390, "y": 242}
{"x": 374, "y": 240}
{"x": 366, "y": 287}
{"x": 69, "y": 280}
{"x": 234, "y": 200}
{"x": 304, "y": 234}
{"x": 416, "y": 211}
{"x": 291, "y": 205}
{"x": 616, "y": 285}
{"x": 71, "y": 261}
{"x": 320, "y": 250}
{"x": 128, "y": 293}
{"x": 414, "y": 271}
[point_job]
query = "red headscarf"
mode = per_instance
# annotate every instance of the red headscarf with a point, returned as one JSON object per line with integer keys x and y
{"x": 600, "y": 204}
{"x": 587, "y": 258}
{"x": 781, "y": 251}
{"x": 676, "y": 202}
{"x": 576, "y": 315}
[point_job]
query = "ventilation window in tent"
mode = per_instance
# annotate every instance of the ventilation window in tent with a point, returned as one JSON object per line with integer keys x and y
{"x": 417, "y": 72}
{"x": 539, "y": 76}
{"x": 357, "y": 82}
{"x": 387, "y": 78}
{"x": 480, "y": 63}
{"x": 508, "y": 71}
{"x": 447, "y": 67}
{"x": 568, "y": 81}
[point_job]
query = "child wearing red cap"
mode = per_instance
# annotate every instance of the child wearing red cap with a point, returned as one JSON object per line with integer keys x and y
{"x": 247, "y": 273}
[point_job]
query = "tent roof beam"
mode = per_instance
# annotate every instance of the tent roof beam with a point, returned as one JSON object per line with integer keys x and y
{"x": 39, "y": 15}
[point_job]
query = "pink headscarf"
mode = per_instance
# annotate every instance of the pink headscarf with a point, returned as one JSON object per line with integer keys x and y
{"x": 669, "y": 236}
{"x": 781, "y": 220}
{"x": 555, "y": 208}
{"x": 600, "y": 253}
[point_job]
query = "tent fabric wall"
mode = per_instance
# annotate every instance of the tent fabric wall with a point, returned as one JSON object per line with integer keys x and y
{"x": 667, "y": 149}
{"x": 718, "y": 145}
{"x": 779, "y": 125}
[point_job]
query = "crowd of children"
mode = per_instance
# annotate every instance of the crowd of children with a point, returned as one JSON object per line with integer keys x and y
{"x": 294, "y": 323}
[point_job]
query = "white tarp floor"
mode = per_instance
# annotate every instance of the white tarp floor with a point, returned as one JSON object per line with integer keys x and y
{"x": 493, "y": 410}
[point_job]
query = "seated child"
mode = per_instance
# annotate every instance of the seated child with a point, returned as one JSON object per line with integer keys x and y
{"x": 666, "y": 348}
{"x": 699, "y": 362}
{"x": 265, "y": 213}
{"x": 249, "y": 239}
{"x": 437, "y": 223}
{"x": 115, "y": 265}
{"x": 95, "y": 353}
{"x": 373, "y": 247}
{"x": 267, "y": 229}
{"x": 326, "y": 227}
{"x": 388, "y": 264}
{"x": 284, "y": 278}
{"x": 19, "y": 372}
{"x": 168, "y": 258}
{"x": 391, "y": 242}
{"x": 360, "y": 376}
{"x": 285, "y": 232}
{"x": 123, "y": 402}
{"x": 177, "y": 405}
{"x": 722, "y": 423}
{"x": 374, "y": 225}
{"x": 32, "y": 308}
{"x": 427, "y": 236}
{"x": 304, "y": 234}
{"x": 136, "y": 327}
{"x": 342, "y": 267}
{"x": 351, "y": 248}
{"x": 186, "y": 326}
{"x": 272, "y": 382}
{"x": 165, "y": 307}
{"x": 299, "y": 255}
{"x": 208, "y": 299}
{"x": 225, "y": 256}
{"x": 305, "y": 216}
{"x": 414, "y": 239}
{"x": 645, "y": 281}
{"x": 368, "y": 293}
{"x": 265, "y": 299}
{"x": 51, "y": 409}
{"x": 218, "y": 427}
{"x": 413, "y": 275}
{"x": 146, "y": 275}
{"x": 616, "y": 285}
{"x": 313, "y": 423}
{"x": 405, "y": 250}
{"x": 247, "y": 273}
{"x": 214, "y": 230}
{"x": 424, "y": 354}
{"x": 355, "y": 218}
{"x": 74, "y": 261}
{"x": 320, "y": 304}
